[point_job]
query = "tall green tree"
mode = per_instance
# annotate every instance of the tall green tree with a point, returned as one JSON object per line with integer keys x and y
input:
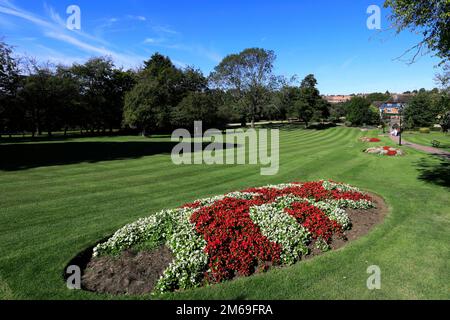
{"x": 284, "y": 100}
{"x": 197, "y": 106}
{"x": 248, "y": 75}
{"x": 360, "y": 112}
{"x": 150, "y": 105}
{"x": 99, "y": 92}
{"x": 10, "y": 113}
{"x": 309, "y": 103}
{"x": 36, "y": 96}
{"x": 425, "y": 107}
{"x": 69, "y": 101}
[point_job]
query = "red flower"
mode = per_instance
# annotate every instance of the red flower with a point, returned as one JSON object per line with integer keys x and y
{"x": 235, "y": 244}
{"x": 315, "y": 221}
{"x": 392, "y": 153}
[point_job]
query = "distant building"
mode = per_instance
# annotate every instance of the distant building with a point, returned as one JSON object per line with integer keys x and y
{"x": 337, "y": 98}
{"x": 391, "y": 110}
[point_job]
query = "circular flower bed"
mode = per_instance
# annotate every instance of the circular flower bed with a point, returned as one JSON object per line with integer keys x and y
{"x": 237, "y": 234}
{"x": 367, "y": 139}
{"x": 385, "y": 151}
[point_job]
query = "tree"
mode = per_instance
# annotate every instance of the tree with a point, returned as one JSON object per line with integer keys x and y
{"x": 337, "y": 111}
{"x": 377, "y": 96}
{"x": 141, "y": 105}
{"x": 197, "y": 106}
{"x": 420, "y": 110}
{"x": 443, "y": 79}
{"x": 121, "y": 83}
{"x": 161, "y": 86}
{"x": 285, "y": 99}
{"x": 99, "y": 91}
{"x": 322, "y": 110}
{"x": 427, "y": 17}
{"x": 360, "y": 112}
{"x": 36, "y": 96}
{"x": 309, "y": 103}
{"x": 249, "y": 76}
{"x": 9, "y": 84}
{"x": 410, "y": 123}
{"x": 445, "y": 122}
{"x": 69, "y": 100}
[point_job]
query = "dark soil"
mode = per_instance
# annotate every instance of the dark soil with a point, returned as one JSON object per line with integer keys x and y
{"x": 131, "y": 273}
{"x": 363, "y": 221}
{"x": 137, "y": 273}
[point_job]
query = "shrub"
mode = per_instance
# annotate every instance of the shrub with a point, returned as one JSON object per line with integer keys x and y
{"x": 424, "y": 130}
{"x": 435, "y": 143}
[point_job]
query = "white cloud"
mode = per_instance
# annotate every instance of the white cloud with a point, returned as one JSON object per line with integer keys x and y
{"x": 199, "y": 50}
{"x": 164, "y": 29}
{"x": 347, "y": 63}
{"x": 55, "y": 29}
{"x": 139, "y": 18}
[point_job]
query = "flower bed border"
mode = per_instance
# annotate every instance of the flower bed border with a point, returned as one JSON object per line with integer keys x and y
{"x": 332, "y": 209}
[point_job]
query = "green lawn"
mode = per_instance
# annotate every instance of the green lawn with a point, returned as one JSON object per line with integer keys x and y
{"x": 60, "y": 197}
{"x": 426, "y": 138}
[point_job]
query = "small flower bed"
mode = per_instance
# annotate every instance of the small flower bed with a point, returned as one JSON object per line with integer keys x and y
{"x": 239, "y": 233}
{"x": 385, "y": 151}
{"x": 368, "y": 139}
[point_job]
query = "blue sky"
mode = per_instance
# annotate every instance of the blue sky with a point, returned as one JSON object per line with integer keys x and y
{"x": 327, "y": 38}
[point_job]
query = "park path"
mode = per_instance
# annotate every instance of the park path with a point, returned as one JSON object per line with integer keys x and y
{"x": 429, "y": 150}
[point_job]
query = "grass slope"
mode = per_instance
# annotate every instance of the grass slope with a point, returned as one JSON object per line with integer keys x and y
{"x": 425, "y": 139}
{"x": 50, "y": 211}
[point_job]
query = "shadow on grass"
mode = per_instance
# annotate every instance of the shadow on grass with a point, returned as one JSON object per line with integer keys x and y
{"x": 297, "y": 126}
{"x": 436, "y": 172}
{"x": 15, "y": 157}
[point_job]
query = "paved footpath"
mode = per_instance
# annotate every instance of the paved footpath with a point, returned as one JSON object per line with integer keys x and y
{"x": 430, "y": 150}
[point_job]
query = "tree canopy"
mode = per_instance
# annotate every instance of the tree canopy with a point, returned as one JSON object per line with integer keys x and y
{"x": 248, "y": 75}
{"x": 361, "y": 112}
{"x": 430, "y": 18}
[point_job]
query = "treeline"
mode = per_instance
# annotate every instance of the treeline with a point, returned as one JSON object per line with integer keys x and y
{"x": 97, "y": 97}
{"x": 428, "y": 108}
{"x": 86, "y": 97}
{"x": 425, "y": 108}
